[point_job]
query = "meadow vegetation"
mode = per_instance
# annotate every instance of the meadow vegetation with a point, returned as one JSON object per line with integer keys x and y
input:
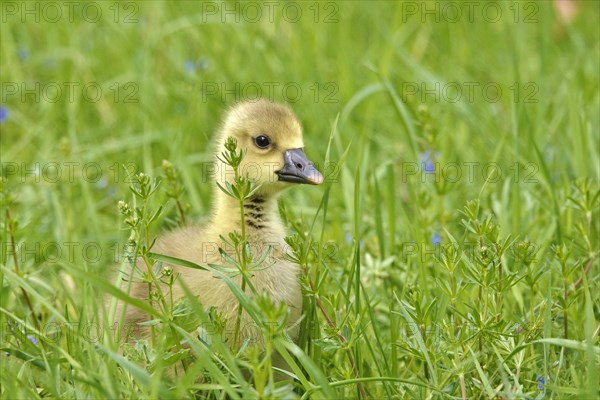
{"x": 452, "y": 251}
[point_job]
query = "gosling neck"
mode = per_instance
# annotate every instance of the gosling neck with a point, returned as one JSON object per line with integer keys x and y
{"x": 261, "y": 214}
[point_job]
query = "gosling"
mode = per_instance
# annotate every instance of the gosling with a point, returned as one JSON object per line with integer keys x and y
{"x": 272, "y": 139}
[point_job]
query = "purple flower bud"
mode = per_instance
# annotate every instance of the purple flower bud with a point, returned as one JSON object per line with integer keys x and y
{"x": 3, "y": 113}
{"x": 32, "y": 340}
{"x": 541, "y": 382}
{"x": 428, "y": 160}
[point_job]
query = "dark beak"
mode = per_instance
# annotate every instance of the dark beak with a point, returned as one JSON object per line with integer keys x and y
{"x": 298, "y": 169}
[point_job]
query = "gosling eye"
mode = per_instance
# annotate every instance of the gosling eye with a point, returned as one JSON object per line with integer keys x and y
{"x": 262, "y": 141}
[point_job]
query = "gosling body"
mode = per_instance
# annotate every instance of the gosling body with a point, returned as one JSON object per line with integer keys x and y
{"x": 271, "y": 137}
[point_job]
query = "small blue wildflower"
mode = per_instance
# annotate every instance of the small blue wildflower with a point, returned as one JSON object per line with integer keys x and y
{"x": 428, "y": 161}
{"x": 348, "y": 238}
{"x": 3, "y": 113}
{"x": 541, "y": 380}
{"x": 32, "y": 340}
{"x": 436, "y": 239}
{"x": 189, "y": 66}
{"x": 102, "y": 183}
{"x": 23, "y": 53}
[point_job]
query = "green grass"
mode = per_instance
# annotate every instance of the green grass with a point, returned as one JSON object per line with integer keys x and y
{"x": 419, "y": 283}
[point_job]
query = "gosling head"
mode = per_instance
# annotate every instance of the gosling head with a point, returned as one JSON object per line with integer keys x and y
{"x": 271, "y": 136}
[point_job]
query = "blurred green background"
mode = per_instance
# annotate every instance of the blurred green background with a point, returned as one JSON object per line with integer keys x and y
{"x": 141, "y": 82}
